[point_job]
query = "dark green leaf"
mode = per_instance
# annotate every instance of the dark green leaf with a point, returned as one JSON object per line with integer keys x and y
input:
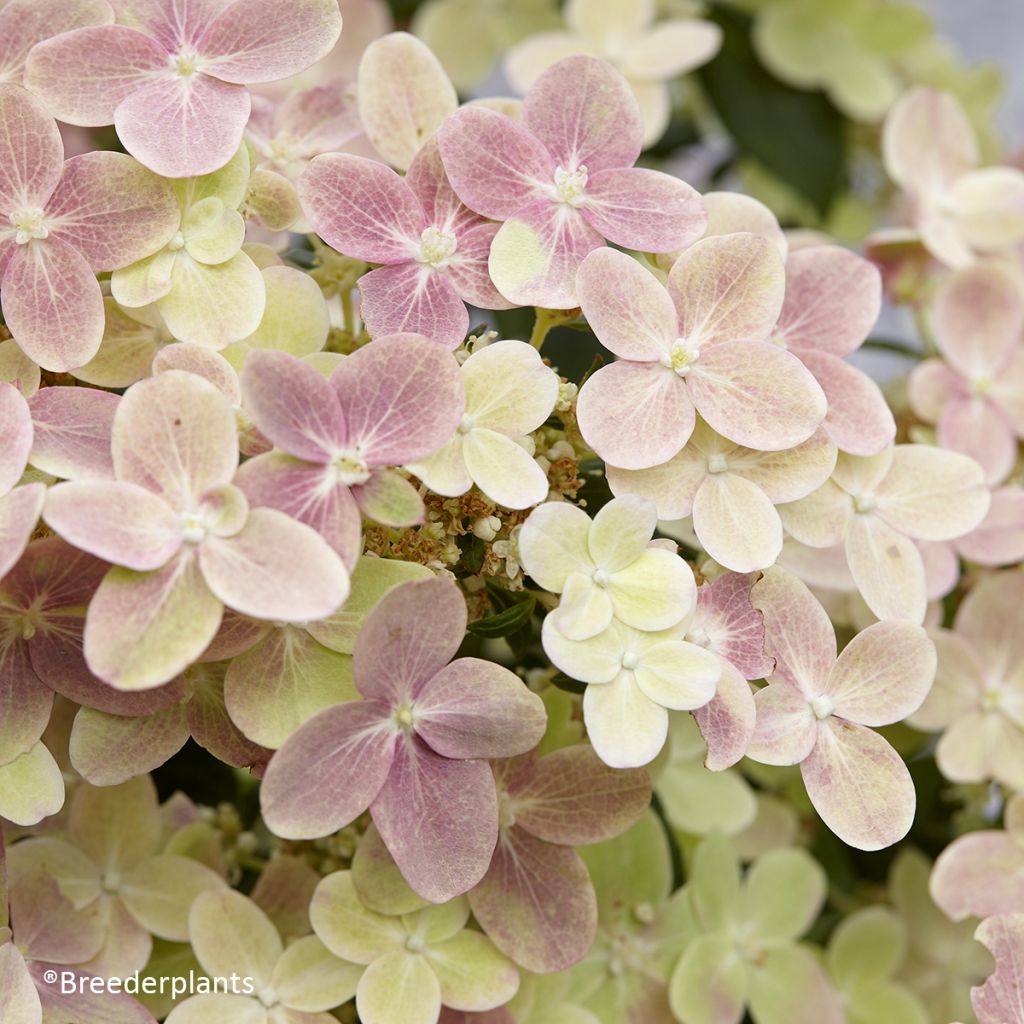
{"x": 564, "y": 682}
{"x": 504, "y": 623}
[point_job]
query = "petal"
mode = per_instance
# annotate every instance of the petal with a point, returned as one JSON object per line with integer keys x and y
{"x": 859, "y": 785}
{"x": 819, "y": 520}
{"x": 1002, "y": 995}
{"x": 635, "y": 415}
{"x": 792, "y": 988}
{"x": 709, "y": 984}
{"x": 736, "y": 523}
{"x": 678, "y": 675}
{"x": 183, "y": 127}
{"x": 467, "y": 269}
{"x": 508, "y": 388}
{"x": 348, "y": 927}
{"x": 31, "y": 788}
{"x": 977, "y": 319}
{"x": 16, "y": 429}
{"x": 785, "y": 731}
{"x": 400, "y": 986}
{"x": 260, "y": 41}
{"x": 672, "y": 486}
{"x": 643, "y": 209}
{"x": 72, "y": 432}
{"x": 553, "y": 544}
{"x": 474, "y": 708}
{"x": 473, "y": 974}
{"x": 536, "y": 902}
{"x": 985, "y": 207}
{"x": 222, "y": 1006}
{"x": 445, "y": 471}
{"x": 727, "y": 720}
{"x": 627, "y": 728}
{"x": 144, "y": 628}
{"x": 231, "y": 934}
{"x": 978, "y": 875}
{"x": 389, "y": 499}
{"x": 84, "y": 74}
{"x": 412, "y": 298}
{"x": 402, "y": 397}
{"x": 672, "y": 48}
{"x": 53, "y": 305}
{"x": 538, "y": 250}
{"x": 295, "y": 318}
{"x": 19, "y": 1002}
{"x": 408, "y": 638}
{"x": 979, "y": 746}
{"x": 932, "y": 385}
{"x": 621, "y": 532}
{"x": 654, "y": 592}
{"x": 585, "y": 115}
{"x": 625, "y": 306}
{"x": 931, "y": 494}
{"x": 19, "y": 514}
{"x": 404, "y": 96}
{"x": 439, "y": 819}
{"x": 503, "y": 470}
{"x": 887, "y": 569}
{"x": 756, "y": 395}
{"x": 328, "y": 771}
{"x": 31, "y": 154}
{"x": 175, "y": 435}
{"x": 362, "y": 208}
{"x": 309, "y": 978}
{"x": 213, "y": 305}
{"x": 790, "y": 474}
{"x": 999, "y": 539}
{"x": 883, "y": 674}
{"x": 783, "y": 893}
{"x": 275, "y": 568}
{"x": 159, "y": 893}
{"x": 976, "y": 427}
{"x": 833, "y": 298}
{"x": 27, "y": 22}
{"x": 734, "y": 629}
{"x": 597, "y": 659}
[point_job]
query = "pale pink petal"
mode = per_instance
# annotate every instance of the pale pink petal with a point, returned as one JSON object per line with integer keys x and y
{"x": 941, "y": 567}
{"x": 429, "y": 182}
{"x": 931, "y": 494}
{"x": 728, "y": 288}
{"x": 19, "y": 513}
{"x": 584, "y": 113}
{"x": 785, "y": 731}
{"x": 439, "y": 819}
{"x": 982, "y": 745}
{"x": 293, "y": 406}
{"x": 408, "y": 638}
{"x": 672, "y": 486}
{"x": 16, "y": 430}
{"x": 978, "y": 875}
{"x": 999, "y": 540}
{"x": 118, "y": 522}
{"x": 538, "y": 250}
{"x": 727, "y": 721}
{"x": 24, "y": 23}
{"x": 175, "y": 434}
{"x": 72, "y": 428}
{"x": 303, "y": 491}
{"x": 819, "y": 520}
{"x": 635, "y": 415}
{"x": 362, "y": 208}
{"x": 31, "y": 152}
{"x": 987, "y": 621}
{"x": 170, "y": 23}
{"x": 83, "y": 75}
{"x": 467, "y": 269}
{"x": 474, "y": 708}
{"x": 412, "y": 297}
{"x": 787, "y": 475}
{"x": 932, "y": 385}
{"x": 182, "y": 127}
{"x": 977, "y": 318}
{"x": 859, "y": 420}
{"x": 143, "y": 629}
{"x": 1001, "y": 998}
{"x": 883, "y": 674}
{"x": 625, "y": 306}
{"x": 1007, "y": 391}
{"x": 494, "y": 164}
{"x": 53, "y": 305}
{"x": 536, "y": 903}
{"x": 887, "y": 569}
{"x": 263, "y": 41}
{"x": 107, "y": 1007}
{"x": 643, "y": 209}
{"x": 275, "y": 568}
{"x": 975, "y": 427}
{"x": 859, "y": 785}
{"x": 328, "y": 771}
{"x": 756, "y": 394}
{"x": 402, "y": 397}
{"x": 736, "y": 523}
{"x": 833, "y": 298}
{"x": 203, "y": 362}
{"x": 733, "y": 627}
{"x": 797, "y": 630}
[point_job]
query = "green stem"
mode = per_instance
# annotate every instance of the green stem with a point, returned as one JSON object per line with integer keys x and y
{"x": 346, "y": 312}
{"x": 898, "y": 347}
{"x": 546, "y": 320}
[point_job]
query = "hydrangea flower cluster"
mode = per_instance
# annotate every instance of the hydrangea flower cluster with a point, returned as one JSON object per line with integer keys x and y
{"x": 453, "y": 571}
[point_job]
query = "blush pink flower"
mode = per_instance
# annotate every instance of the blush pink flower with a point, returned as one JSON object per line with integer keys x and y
{"x": 820, "y": 711}
{"x": 833, "y": 298}
{"x": 412, "y": 750}
{"x": 64, "y": 221}
{"x": 562, "y": 179}
{"x": 182, "y": 539}
{"x": 172, "y": 79}
{"x": 978, "y": 697}
{"x": 23, "y": 23}
{"x": 877, "y": 506}
{"x": 701, "y": 346}
{"x": 432, "y": 248}
{"x": 19, "y": 506}
{"x": 536, "y": 903}
{"x": 1001, "y": 999}
{"x": 397, "y": 399}
{"x": 975, "y": 392}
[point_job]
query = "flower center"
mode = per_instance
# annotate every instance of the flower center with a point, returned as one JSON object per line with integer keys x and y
{"x": 285, "y": 147}
{"x": 865, "y": 503}
{"x": 822, "y": 706}
{"x": 466, "y": 424}
{"x": 415, "y": 944}
{"x": 681, "y": 357}
{"x": 506, "y": 810}
{"x": 268, "y": 997}
{"x": 980, "y": 387}
{"x": 29, "y": 224}
{"x": 404, "y": 717}
{"x": 630, "y": 661}
{"x": 177, "y": 243}
{"x": 570, "y": 185}
{"x": 991, "y": 700}
{"x": 111, "y": 881}
{"x": 717, "y": 463}
{"x": 436, "y": 246}
{"x": 193, "y": 528}
{"x": 699, "y": 636}
{"x": 600, "y": 578}
{"x": 185, "y": 62}
{"x": 351, "y": 469}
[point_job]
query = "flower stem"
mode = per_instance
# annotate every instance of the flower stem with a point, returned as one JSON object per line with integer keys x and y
{"x": 546, "y": 320}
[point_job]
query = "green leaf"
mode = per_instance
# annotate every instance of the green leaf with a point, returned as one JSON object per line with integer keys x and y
{"x": 564, "y": 682}
{"x": 505, "y": 623}
{"x": 797, "y": 135}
